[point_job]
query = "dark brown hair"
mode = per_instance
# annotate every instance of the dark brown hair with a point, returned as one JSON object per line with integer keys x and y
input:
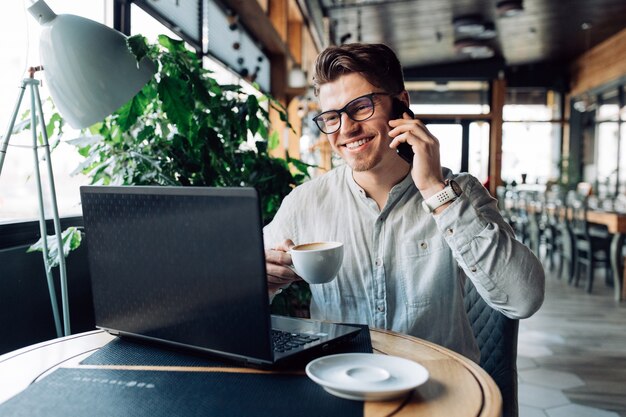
{"x": 377, "y": 63}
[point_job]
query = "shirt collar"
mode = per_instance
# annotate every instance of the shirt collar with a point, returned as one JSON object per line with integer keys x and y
{"x": 395, "y": 192}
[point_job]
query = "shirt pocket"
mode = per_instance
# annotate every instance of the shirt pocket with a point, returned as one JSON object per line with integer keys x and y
{"x": 423, "y": 270}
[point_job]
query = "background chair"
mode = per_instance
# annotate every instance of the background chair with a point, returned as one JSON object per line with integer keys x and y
{"x": 592, "y": 245}
{"x": 496, "y": 335}
{"x": 565, "y": 244}
{"x": 552, "y": 233}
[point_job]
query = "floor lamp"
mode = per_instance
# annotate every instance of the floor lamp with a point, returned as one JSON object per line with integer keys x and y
{"x": 36, "y": 116}
{"x": 90, "y": 73}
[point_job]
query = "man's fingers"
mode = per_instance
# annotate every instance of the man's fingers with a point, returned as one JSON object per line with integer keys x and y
{"x": 277, "y": 257}
{"x": 418, "y": 141}
{"x": 279, "y": 281}
{"x": 280, "y": 271}
{"x": 285, "y": 245}
{"x": 277, "y": 265}
{"x": 417, "y": 129}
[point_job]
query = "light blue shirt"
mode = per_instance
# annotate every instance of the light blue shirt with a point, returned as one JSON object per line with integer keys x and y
{"x": 404, "y": 268}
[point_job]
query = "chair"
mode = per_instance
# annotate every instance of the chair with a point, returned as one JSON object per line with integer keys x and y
{"x": 592, "y": 245}
{"x": 552, "y": 233}
{"x": 536, "y": 226}
{"x": 496, "y": 335}
{"x": 565, "y": 244}
{"x": 521, "y": 219}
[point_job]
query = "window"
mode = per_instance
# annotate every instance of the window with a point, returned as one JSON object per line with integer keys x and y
{"x": 478, "y": 163}
{"x": 452, "y": 97}
{"x": 144, "y": 24}
{"x": 608, "y": 147}
{"x": 450, "y": 143}
{"x": 531, "y": 135}
{"x": 603, "y": 143}
{"x": 456, "y": 113}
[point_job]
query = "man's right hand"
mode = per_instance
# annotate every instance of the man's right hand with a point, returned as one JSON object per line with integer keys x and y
{"x": 279, "y": 267}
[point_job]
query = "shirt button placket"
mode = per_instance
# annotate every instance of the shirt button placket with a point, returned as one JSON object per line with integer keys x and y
{"x": 379, "y": 274}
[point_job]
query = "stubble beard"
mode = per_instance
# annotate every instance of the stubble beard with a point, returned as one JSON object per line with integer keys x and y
{"x": 364, "y": 164}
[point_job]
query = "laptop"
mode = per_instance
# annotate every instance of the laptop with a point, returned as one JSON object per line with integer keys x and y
{"x": 185, "y": 266}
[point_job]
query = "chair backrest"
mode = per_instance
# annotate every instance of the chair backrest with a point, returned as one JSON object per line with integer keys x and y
{"x": 578, "y": 223}
{"x": 565, "y": 230}
{"x": 496, "y": 335}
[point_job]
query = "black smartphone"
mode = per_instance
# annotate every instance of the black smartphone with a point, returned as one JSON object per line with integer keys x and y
{"x": 404, "y": 149}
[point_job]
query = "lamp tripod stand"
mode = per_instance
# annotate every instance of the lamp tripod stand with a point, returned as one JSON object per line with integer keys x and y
{"x": 35, "y": 111}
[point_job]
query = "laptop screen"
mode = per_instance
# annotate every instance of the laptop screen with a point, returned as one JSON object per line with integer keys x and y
{"x": 179, "y": 264}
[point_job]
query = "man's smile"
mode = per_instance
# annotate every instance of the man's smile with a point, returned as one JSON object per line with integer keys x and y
{"x": 357, "y": 143}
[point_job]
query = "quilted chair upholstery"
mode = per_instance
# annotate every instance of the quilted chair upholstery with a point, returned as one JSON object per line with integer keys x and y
{"x": 496, "y": 335}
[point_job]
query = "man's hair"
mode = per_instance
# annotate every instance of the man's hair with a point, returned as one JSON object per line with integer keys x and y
{"x": 377, "y": 63}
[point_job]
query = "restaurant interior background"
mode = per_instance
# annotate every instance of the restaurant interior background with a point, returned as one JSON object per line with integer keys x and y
{"x": 523, "y": 94}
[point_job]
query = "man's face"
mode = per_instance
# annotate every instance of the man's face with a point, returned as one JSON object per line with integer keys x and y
{"x": 363, "y": 145}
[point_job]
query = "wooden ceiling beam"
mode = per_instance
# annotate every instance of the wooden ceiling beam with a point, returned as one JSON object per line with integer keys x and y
{"x": 260, "y": 27}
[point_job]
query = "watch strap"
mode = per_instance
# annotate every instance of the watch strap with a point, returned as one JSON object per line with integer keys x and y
{"x": 439, "y": 199}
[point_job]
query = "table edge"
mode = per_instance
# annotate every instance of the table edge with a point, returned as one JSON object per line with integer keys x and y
{"x": 492, "y": 398}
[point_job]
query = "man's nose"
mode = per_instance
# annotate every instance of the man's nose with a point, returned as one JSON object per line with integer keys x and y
{"x": 347, "y": 125}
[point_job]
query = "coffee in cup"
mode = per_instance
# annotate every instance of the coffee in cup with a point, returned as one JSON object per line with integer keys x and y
{"x": 317, "y": 262}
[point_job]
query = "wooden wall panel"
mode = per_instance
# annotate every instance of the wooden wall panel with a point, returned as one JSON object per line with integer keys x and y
{"x": 604, "y": 63}
{"x": 278, "y": 14}
{"x": 279, "y": 26}
{"x": 263, "y": 4}
{"x": 295, "y": 40}
{"x": 309, "y": 53}
{"x": 495, "y": 135}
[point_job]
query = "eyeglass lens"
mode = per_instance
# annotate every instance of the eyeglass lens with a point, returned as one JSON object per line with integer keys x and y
{"x": 358, "y": 110}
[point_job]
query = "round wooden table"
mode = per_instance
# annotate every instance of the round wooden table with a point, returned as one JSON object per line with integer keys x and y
{"x": 456, "y": 387}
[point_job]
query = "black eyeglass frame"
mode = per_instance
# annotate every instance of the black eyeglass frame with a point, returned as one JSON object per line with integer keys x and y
{"x": 344, "y": 109}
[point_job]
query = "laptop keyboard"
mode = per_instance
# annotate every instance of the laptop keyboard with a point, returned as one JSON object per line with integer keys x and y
{"x": 284, "y": 341}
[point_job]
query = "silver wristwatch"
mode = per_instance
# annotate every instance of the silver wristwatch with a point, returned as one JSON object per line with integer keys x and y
{"x": 449, "y": 193}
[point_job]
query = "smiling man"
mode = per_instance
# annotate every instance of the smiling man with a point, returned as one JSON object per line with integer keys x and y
{"x": 412, "y": 231}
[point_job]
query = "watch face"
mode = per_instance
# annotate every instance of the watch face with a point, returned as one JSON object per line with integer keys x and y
{"x": 455, "y": 187}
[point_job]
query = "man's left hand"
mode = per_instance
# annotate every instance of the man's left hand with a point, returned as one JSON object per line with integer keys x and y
{"x": 426, "y": 169}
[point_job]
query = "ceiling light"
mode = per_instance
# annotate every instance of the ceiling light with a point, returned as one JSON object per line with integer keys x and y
{"x": 474, "y": 48}
{"x": 509, "y": 8}
{"x": 469, "y": 25}
{"x": 441, "y": 86}
{"x": 585, "y": 103}
{"x": 489, "y": 32}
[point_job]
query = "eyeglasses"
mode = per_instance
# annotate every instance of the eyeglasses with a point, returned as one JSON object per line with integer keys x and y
{"x": 359, "y": 109}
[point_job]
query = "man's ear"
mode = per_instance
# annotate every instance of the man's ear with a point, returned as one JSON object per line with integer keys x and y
{"x": 404, "y": 97}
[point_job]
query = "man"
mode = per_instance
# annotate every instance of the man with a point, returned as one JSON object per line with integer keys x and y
{"x": 404, "y": 263}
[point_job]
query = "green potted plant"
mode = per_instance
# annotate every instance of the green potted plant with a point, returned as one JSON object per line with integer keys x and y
{"x": 184, "y": 128}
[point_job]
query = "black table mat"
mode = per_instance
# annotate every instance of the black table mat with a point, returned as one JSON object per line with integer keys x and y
{"x": 123, "y": 351}
{"x": 74, "y": 392}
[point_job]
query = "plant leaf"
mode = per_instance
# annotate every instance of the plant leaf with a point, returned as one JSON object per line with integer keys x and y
{"x": 176, "y": 103}
{"x": 84, "y": 140}
{"x": 274, "y": 140}
{"x": 130, "y": 112}
{"x": 138, "y": 45}
{"x": 70, "y": 238}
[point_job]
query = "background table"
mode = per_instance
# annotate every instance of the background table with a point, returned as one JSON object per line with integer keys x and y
{"x": 456, "y": 387}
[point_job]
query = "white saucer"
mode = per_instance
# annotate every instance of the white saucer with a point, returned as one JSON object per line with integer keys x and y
{"x": 366, "y": 376}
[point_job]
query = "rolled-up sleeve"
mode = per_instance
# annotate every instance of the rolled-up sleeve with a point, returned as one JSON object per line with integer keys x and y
{"x": 505, "y": 272}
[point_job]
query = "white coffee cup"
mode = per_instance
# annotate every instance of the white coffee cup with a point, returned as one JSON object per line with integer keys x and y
{"x": 317, "y": 262}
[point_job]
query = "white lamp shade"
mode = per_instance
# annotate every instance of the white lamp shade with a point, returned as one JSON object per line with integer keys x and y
{"x": 88, "y": 68}
{"x": 296, "y": 78}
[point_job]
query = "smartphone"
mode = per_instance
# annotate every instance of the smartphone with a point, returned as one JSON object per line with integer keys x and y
{"x": 404, "y": 149}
